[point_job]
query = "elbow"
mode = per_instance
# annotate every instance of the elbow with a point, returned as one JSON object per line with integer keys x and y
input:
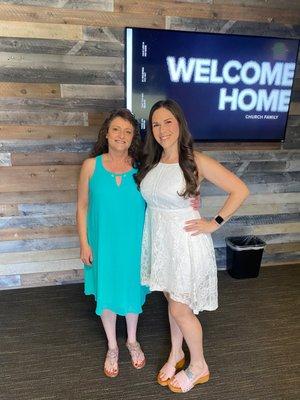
{"x": 241, "y": 191}
{"x": 81, "y": 211}
{"x": 245, "y": 191}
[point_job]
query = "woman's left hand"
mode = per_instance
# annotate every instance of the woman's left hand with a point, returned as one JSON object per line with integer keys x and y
{"x": 200, "y": 225}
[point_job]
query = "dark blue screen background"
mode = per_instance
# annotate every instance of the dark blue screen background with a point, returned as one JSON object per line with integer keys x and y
{"x": 200, "y": 100}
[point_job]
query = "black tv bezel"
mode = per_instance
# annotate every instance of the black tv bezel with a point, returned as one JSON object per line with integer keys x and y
{"x": 219, "y": 34}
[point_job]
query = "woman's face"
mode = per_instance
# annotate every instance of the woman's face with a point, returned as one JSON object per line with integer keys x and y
{"x": 165, "y": 128}
{"x": 120, "y": 134}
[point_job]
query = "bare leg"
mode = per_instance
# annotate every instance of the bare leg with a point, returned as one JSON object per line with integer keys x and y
{"x": 109, "y": 323}
{"x": 137, "y": 355}
{"x": 131, "y": 322}
{"x": 176, "y": 353}
{"x": 192, "y": 333}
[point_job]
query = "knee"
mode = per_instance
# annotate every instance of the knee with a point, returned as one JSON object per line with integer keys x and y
{"x": 179, "y": 311}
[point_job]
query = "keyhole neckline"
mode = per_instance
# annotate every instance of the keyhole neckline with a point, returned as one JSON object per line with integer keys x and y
{"x": 114, "y": 174}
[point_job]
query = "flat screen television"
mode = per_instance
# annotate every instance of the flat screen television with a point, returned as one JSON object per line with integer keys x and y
{"x": 231, "y": 87}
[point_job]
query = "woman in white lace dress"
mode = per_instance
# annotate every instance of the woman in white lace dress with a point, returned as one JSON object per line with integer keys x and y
{"x": 178, "y": 254}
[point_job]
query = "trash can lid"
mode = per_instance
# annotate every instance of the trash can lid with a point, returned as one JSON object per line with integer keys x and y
{"x": 241, "y": 243}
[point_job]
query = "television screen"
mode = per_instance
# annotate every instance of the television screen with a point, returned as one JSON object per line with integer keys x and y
{"x": 231, "y": 87}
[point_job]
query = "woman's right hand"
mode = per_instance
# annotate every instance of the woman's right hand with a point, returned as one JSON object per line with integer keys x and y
{"x": 195, "y": 202}
{"x": 86, "y": 255}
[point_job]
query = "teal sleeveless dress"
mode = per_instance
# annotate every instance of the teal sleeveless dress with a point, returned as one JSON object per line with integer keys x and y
{"x": 115, "y": 221}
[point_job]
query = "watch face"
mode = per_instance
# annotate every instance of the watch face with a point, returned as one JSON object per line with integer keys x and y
{"x": 219, "y": 219}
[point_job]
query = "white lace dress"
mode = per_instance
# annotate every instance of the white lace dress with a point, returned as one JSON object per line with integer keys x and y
{"x": 173, "y": 261}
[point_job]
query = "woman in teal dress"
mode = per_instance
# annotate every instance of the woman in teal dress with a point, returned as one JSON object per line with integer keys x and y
{"x": 110, "y": 219}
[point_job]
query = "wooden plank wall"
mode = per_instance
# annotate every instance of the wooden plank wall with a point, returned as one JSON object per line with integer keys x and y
{"x": 61, "y": 70}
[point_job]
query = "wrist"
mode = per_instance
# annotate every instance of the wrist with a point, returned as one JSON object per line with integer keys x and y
{"x": 84, "y": 243}
{"x": 214, "y": 224}
{"x": 219, "y": 220}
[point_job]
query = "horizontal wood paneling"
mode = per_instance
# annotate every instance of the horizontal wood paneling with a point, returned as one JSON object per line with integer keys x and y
{"x": 44, "y": 132}
{"x": 254, "y": 209}
{"x": 36, "y": 256}
{"x": 40, "y": 266}
{"x": 258, "y": 199}
{"x": 51, "y": 278}
{"x": 103, "y": 5}
{"x": 51, "y": 145}
{"x": 45, "y": 196}
{"x": 38, "y": 232}
{"x": 49, "y": 74}
{"x": 292, "y": 4}
{"x": 47, "y": 118}
{"x": 49, "y": 243}
{"x": 50, "y": 158}
{"x": 93, "y": 92}
{"x": 254, "y": 156}
{"x": 210, "y": 11}
{"x": 38, "y": 178}
{"x": 38, "y": 30}
{"x": 27, "y": 90}
{"x": 106, "y": 45}
{"x": 62, "y": 70}
{"x": 282, "y": 247}
{"x": 77, "y": 18}
{"x": 83, "y": 105}
{"x": 232, "y": 25}
{"x": 57, "y": 68}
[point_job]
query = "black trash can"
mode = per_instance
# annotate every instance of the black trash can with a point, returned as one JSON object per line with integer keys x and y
{"x": 243, "y": 256}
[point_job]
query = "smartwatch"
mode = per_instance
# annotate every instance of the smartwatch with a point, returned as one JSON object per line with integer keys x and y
{"x": 219, "y": 220}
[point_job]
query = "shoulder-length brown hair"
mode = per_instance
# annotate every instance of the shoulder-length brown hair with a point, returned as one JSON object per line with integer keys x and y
{"x": 101, "y": 146}
{"x": 152, "y": 150}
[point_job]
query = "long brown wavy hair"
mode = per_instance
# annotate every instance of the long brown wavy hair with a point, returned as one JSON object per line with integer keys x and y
{"x": 101, "y": 146}
{"x": 152, "y": 151}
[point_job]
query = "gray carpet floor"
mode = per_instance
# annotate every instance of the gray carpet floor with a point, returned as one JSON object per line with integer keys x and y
{"x": 52, "y": 345}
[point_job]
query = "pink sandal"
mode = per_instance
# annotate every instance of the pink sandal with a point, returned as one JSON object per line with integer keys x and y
{"x": 170, "y": 373}
{"x": 187, "y": 380}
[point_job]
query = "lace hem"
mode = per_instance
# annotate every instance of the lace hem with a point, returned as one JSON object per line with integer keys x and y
{"x": 181, "y": 298}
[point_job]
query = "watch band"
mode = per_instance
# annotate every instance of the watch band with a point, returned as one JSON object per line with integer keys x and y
{"x": 219, "y": 220}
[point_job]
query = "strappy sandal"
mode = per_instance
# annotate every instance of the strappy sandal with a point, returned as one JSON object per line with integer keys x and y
{"x": 112, "y": 357}
{"x": 136, "y": 353}
{"x": 172, "y": 371}
{"x": 187, "y": 380}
